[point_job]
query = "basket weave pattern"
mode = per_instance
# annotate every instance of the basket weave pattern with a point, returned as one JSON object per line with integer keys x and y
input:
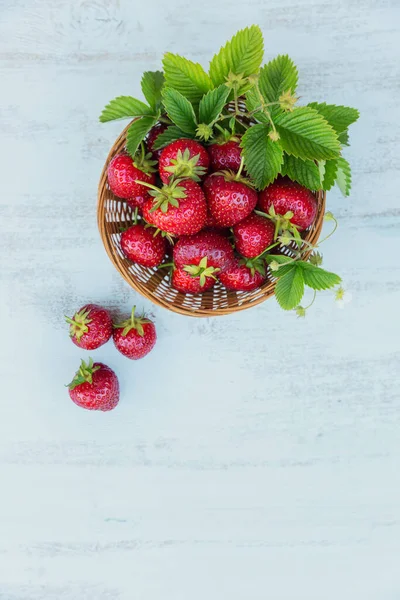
{"x": 113, "y": 214}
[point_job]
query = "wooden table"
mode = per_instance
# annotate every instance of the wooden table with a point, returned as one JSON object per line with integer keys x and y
{"x": 251, "y": 457}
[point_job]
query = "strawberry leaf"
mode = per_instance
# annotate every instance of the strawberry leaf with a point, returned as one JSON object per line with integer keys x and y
{"x": 263, "y": 157}
{"x": 179, "y": 110}
{"x": 124, "y": 107}
{"x": 343, "y": 138}
{"x": 305, "y": 172}
{"x": 170, "y": 135}
{"x": 137, "y": 132}
{"x": 152, "y": 83}
{"x": 328, "y": 173}
{"x": 317, "y": 278}
{"x": 185, "y": 76}
{"x": 278, "y": 76}
{"x": 305, "y": 134}
{"x": 343, "y": 176}
{"x": 253, "y": 102}
{"x": 242, "y": 55}
{"x": 212, "y": 103}
{"x": 339, "y": 117}
{"x": 289, "y": 288}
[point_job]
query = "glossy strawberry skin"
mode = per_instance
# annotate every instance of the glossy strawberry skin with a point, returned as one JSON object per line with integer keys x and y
{"x": 189, "y": 250}
{"x": 151, "y": 138}
{"x": 170, "y": 152}
{"x": 102, "y": 394}
{"x": 239, "y": 277}
{"x": 185, "y": 283}
{"x": 141, "y": 246}
{"x": 286, "y": 195}
{"x": 99, "y": 329}
{"x": 225, "y": 156}
{"x": 188, "y": 218}
{"x": 133, "y": 345}
{"x": 253, "y": 235}
{"x": 229, "y": 202}
{"x": 122, "y": 175}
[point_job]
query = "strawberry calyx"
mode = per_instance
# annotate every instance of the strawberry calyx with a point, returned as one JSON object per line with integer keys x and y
{"x": 185, "y": 167}
{"x": 202, "y": 270}
{"x": 158, "y": 231}
{"x": 79, "y": 323}
{"x": 237, "y": 177}
{"x": 144, "y": 162}
{"x": 84, "y": 374}
{"x": 224, "y": 137}
{"x": 133, "y": 322}
{"x": 285, "y": 231}
{"x": 169, "y": 194}
{"x": 254, "y": 264}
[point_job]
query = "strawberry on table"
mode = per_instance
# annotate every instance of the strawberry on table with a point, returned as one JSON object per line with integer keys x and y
{"x": 191, "y": 250}
{"x": 135, "y": 337}
{"x": 123, "y": 173}
{"x": 90, "y": 327}
{"x": 225, "y": 155}
{"x": 94, "y": 387}
{"x": 193, "y": 279}
{"x": 229, "y": 198}
{"x": 143, "y": 245}
{"x": 183, "y": 159}
{"x": 178, "y": 208}
{"x": 287, "y": 196}
{"x": 253, "y": 235}
{"x": 244, "y": 275}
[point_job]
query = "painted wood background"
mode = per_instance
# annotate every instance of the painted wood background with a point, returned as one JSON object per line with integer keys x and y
{"x": 251, "y": 457}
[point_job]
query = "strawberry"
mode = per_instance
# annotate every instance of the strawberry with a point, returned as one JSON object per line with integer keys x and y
{"x": 178, "y": 208}
{"x": 253, "y": 235}
{"x": 193, "y": 280}
{"x": 244, "y": 275}
{"x": 123, "y": 175}
{"x": 191, "y": 250}
{"x": 90, "y": 327}
{"x": 143, "y": 246}
{"x": 135, "y": 337}
{"x": 151, "y": 138}
{"x": 225, "y": 155}
{"x": 183, "y": 159}
{"x": 286, "y": 196}
{"x": 229, "y": 199}
{"x": 95, "y": 387}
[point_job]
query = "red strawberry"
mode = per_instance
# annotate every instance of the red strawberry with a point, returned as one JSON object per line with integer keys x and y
{"x": 184, "y": 159}
{"x": 244, "y": 276}
{"x": 123, "y": 174}
{"x": 229, "y": 199}
{"x": 95, "y": 387}
{"x": 90, "y": 327}
{"x": 135, "y": 337}
{"x": 227, "y": 155}
{"x": 179, "y": 208}
{"x": 142, "y": 245}
{"x": 151, "y": 138}
{"x": 191, "y": 250}
{"x": 253, "y": 235}
{"x": 287, "y": 196}
{"x": 188, "y": 282}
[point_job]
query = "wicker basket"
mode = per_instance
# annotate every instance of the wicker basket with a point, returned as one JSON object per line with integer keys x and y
{"x": 114, "y": 214}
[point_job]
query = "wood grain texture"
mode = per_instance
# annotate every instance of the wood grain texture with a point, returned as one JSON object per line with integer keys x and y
{"x": 252, "y": 456}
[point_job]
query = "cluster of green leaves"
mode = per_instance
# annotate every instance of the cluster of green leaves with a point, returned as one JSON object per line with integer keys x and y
{"x": 303, "y": 142}
{"x": 294, "y": 275}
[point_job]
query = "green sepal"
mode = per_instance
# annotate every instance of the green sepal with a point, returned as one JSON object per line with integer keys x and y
{"x": 202, "y": 271}
{"x": 84, "y": 374}
{"x": 79, "y": 323}
{"x": 133, "y": 322}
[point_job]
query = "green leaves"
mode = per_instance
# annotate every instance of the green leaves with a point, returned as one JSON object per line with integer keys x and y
{"x": 170, "y": 135}
{"x": 305, "y": 172}
{"x": 124, "y": 107}
{"x": 343, "y": 177}
{"x": 262, "y": 156}
{"x": 152, "y": 83}
{"x": 212, "y": 103}
{"x": 276, "y": 77}
{"x": 242, "y": 55}
{"x": 305, "y": 134}
{"x": 185, "y": 76}
{"x": 179, "y": 110}
{"x": 328, "y": 173}
{"x": 137, "y": 132}
{"x": 339, "y": 117}
{"x": 295, "y": 275}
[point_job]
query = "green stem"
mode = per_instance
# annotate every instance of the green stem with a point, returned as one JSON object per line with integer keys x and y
{"x": 329, "y": 234}
{"x": 312, "y": 301}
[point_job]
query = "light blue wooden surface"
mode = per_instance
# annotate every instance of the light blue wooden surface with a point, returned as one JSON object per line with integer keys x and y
{"x": 251, "y": 457}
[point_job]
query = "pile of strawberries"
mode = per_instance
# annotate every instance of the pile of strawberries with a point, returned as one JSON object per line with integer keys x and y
{"x": 195, "y": 202}
{"x": 95, "y": 386}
